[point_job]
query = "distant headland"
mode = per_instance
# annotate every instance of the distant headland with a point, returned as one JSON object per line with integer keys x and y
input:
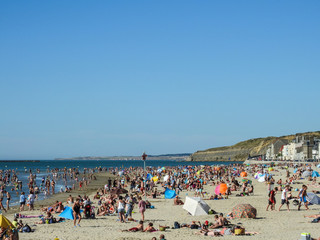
{"x": 178, "y": 156}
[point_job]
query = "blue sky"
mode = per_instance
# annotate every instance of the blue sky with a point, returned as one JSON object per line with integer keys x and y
{"x": 103, "y": 78}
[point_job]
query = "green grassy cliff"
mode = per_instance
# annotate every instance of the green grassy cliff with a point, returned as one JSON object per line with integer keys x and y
{"x": 241, "y": 150}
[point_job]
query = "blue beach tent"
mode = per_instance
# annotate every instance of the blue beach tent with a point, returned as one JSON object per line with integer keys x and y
{"x": 295, "y": 170}
{"x": 315, "y": 174}
{"x": 169, "y": 194}
{"x": 149, "y": 176}
{"x": 67, "y": 213}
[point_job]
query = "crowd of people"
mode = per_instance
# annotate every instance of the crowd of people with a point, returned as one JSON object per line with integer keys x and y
{"x": 129, "y": 188}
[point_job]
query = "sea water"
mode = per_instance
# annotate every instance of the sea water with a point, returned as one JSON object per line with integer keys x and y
{"x": 23, "y": 170}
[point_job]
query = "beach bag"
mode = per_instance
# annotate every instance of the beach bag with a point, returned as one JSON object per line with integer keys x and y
{"x": 228, "y": 231}
{"x": 176, "y": 225}
{"x": 305, "y": 236}
{"x": 239, "y": 231}
{"x": 26, "y": 228}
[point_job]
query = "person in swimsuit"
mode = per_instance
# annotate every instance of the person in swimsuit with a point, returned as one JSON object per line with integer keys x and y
{"x": 272, "y": 199}
{"x": 150, "y": 228}
{"x": 303, "y": 197}
{"x": 76, "y": 212}
{"x": 8, "y": 200}
{"x": 135, "y": 229}
{"x": 142, "y": 207}
{"x": 121, "y": 209}
{"x": 1, "y": 198}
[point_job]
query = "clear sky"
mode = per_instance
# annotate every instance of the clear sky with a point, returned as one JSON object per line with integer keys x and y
{"x": 103, "y": 78}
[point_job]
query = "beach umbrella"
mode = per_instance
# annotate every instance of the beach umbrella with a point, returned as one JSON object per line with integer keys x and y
{"x": 196, "y": 206}
{"x": 169, "y": 194}
{"x": 155, "y": 179}
{"x": 318, "y": 166}
{"x": 244, "y": 211}
{"x": 149, "y": 176}
{"x": 4, "y": 222}
{"x": 243, "y": 174}
{"x": 306, "y": 174}
{"x": 315, "y": 174}
{"x": 165, "y": 178}
{"x": 257, "y": 175}
{"x": 221, "y": 189}
{"x": 313, "y": 198}
{"x": 159, "y": 170}
{"x": 261, "y": 178}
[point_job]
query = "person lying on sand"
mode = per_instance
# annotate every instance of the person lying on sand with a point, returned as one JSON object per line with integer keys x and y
{"x": 59, "y": 208}
{"x": 150, "y": 228}
{"x": 135, "y": 229}
{"x": 48, "y": 218}
{"x": 51, "y": 208}
{"x": 208, "y": 233}
{"x": 193, "y": 225}
{"x": 177, "y": 201}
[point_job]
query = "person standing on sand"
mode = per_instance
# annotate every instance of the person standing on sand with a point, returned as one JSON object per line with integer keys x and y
{"x": 121, "y": 206}
{"x": 8, "y": 200}
{"x": 76, "y": 212}
{"x": 303, "y": 197}
{"x": 53, "y": 184}
{"x": 272, "y": 199}
{"x": 31, "y": 198}
{"x": 284, "y": 198}
{"x": 142, "y": 207}
{"x": 22, "y": 201}
{"x": 2, "y": 191}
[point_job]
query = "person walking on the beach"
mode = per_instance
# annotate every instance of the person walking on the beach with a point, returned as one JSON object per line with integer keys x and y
{"x": 8, "y": 200}
{"x": 284, "y": 198}
{"x": 31, "y": 198}
{"x": 121, "y": 206}
{"x": 142, "y": 207}
{"x": 76, "y": 212}
{"x": 48, "y": 186}
{"x": 53, "y": 184}
{"x": 22, "y": 201}
{"x": 2, "y": 191}
{"x": 303, "y": 197}
{"x": 272, "y": 199}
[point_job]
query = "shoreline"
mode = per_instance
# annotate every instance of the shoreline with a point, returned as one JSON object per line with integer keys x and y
{"x": 92, "y": 187}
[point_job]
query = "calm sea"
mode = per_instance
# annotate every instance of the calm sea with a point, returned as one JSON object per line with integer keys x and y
{"x": 23, "y": 170}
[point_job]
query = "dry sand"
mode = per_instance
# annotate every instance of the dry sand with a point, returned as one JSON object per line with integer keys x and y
{"x": 269, "y": 225}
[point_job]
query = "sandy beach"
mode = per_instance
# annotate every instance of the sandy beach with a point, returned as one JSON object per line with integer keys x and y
{"x": 268, "y": 224}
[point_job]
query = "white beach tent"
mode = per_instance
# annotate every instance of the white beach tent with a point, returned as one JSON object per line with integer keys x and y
{"x": 196, "y": 206}
{"x": 262, "y": 178}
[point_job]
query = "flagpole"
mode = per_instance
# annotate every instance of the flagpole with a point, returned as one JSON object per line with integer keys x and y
{"x": 144, "y": 157}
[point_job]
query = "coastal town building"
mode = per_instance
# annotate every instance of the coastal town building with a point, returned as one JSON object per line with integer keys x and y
{"x": 301, "y": 148}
